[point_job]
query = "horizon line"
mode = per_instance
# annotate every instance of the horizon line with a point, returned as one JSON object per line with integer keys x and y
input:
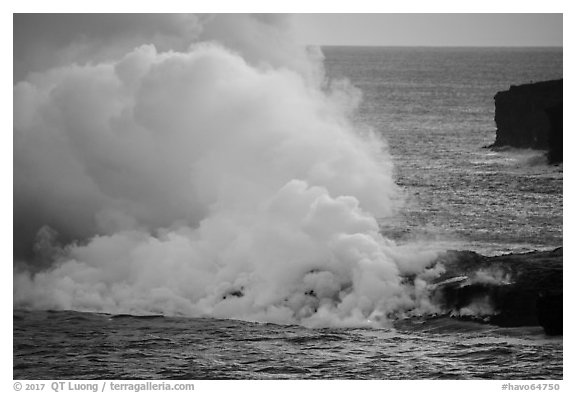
{"x": 438, "y": 46}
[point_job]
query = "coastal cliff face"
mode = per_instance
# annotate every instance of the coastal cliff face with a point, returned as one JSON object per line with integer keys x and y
{"x": 530, "y": 116}
{"x": 556, "y": 140}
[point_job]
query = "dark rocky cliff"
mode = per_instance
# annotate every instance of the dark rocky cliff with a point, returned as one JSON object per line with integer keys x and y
{"x": 530, "y": 116}
{"x": 556, "y": 140}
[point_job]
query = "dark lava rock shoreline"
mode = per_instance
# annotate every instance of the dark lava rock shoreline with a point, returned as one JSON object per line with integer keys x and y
{"x": 530, "y": 116}
{"x": 508, "y": 290}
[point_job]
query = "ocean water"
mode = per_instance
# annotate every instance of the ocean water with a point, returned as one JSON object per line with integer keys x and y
{"x": 435, "y": 108}
{"x": 98, "y": 346}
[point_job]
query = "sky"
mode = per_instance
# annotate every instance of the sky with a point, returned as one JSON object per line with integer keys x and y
{"x": 430, "y": 29}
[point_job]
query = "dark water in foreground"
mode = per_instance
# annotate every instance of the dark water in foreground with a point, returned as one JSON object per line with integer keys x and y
{"x": 96, "y": 346}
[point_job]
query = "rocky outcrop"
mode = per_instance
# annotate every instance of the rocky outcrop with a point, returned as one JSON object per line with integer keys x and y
{"x": 508, "y": 290}
{"x": 530, "y": 116}
{"x": 556, "y": 127}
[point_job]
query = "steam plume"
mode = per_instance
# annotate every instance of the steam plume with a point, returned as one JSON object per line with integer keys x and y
{"x": 226, "y": 179}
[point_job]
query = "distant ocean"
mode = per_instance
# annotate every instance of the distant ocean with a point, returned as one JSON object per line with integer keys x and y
{"x": 435, "y": 108}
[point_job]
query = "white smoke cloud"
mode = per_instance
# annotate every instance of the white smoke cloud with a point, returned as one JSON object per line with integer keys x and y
{"x": 264, "y": 40}
{"x": 212, "y": 181}
{"x": 301, "y": 257}
{"x": 45, "y": 41}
